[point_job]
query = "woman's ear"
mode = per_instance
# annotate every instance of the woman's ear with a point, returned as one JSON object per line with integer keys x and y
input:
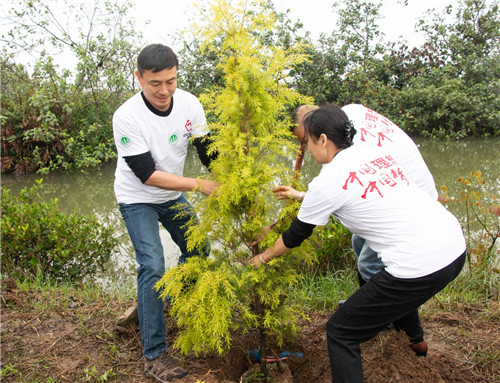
{"x": 323, "y": 139}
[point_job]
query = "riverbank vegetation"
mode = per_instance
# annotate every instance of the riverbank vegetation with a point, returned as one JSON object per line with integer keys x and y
{"x": 40, "y": 242}
{"x": 54, "y": 118}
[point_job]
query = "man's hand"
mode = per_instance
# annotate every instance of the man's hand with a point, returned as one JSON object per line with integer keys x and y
{"x": 206, "y": 187}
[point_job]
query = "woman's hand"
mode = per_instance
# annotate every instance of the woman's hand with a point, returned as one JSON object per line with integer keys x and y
{"x": 287, "y": 192}
{"x": 258, "y": 260}
{"x": 278, "y": 249}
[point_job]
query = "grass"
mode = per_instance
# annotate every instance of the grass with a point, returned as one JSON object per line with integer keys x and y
{"x": 316, "y": 292}
{"x": 473, "y": 285}
{"x": 322, "y": 292}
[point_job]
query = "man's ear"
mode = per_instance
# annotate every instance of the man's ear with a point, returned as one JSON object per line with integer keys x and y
{"x": 139, "y": 77}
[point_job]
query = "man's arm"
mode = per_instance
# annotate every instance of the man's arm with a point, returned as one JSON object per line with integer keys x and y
{"x": 174, "y": 182}
{"x": 144, "y": 168}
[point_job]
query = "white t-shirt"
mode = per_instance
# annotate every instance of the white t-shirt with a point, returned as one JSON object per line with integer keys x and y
{"x": 137, "y": 130}
{"x": 374, "y": 129}
{"x": 371, "y": 195}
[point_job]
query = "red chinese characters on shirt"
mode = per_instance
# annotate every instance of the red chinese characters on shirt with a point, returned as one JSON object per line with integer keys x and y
{"x": 386, "y": 179}
{"x": 372, "y": 186}
{"x": 367, "y": 169}
{"x": 364, "y": 132}
{"x": 381, "y": 172}
{"x": 386, "y": 125}
{"x": 352, "y": 177}
{"x": 399, "y": 173}
{"x": 376, "y": 126}
{"x": 382, "y": 137}
{"x": 371, "y": 115}
{"x": 384, "y": 162}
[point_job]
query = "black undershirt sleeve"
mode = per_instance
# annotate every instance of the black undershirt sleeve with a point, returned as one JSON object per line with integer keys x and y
{"x": 142, "y": 165}
{"x": 201, "y": 145}
{"x": 297, "y": 233}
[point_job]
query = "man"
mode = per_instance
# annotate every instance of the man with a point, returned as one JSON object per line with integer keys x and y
{"x": 375, "y": 130}
{"x": 151, "y": 131}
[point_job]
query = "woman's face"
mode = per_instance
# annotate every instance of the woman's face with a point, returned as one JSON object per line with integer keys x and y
{"x": 318, "y": 149}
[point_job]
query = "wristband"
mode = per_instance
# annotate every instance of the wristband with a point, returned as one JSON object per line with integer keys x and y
{"x": 261, "y": 259}
{"x": 302, "y": 195}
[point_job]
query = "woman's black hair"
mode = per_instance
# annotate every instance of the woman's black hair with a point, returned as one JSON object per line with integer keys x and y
{"x": 156, "y": 57}
{"x": 331, "y": 121}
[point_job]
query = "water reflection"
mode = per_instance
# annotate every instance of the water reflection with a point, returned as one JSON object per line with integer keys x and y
{"x": 448, "y": 161}
{"x": 91, "y": 192}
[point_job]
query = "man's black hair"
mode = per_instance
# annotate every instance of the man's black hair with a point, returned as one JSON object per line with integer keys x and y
{"x": 156, "y": 57}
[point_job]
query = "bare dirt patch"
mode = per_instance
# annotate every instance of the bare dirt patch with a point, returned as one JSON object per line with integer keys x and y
{"x": 60, "y": 338}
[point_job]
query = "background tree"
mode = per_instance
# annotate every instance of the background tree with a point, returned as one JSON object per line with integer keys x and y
{"x": 456, "y": 93}
{"x": 321, "y": 76}
{"x": 200, "y": 69}
{"x": 63, "y": 118}
{"x": 212, "y": 298}
{"x": 358, "y": 37}
{"x": 446, "y": 88}
{"x": 345, "y": 66}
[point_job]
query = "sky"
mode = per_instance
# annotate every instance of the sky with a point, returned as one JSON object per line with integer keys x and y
{"x": 316, "y": 15}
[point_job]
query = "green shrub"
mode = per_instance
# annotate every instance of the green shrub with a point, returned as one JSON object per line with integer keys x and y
{"x": 38, "y": 239}
{"x": 332, "y": 246}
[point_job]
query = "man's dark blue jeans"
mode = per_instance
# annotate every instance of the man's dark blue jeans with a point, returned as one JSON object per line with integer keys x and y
{"x": 141, "y": 220}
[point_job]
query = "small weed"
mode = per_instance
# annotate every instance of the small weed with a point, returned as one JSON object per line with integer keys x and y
{"x": 92, "y": 375}
{"x": 486, "y": 356}
{"x": 8, "y": 370}
{"x": 114, "y": 350}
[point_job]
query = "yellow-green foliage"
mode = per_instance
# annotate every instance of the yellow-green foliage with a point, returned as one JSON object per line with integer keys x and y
{"x": 251, "y": 134}
{"x": 212, "y": 298}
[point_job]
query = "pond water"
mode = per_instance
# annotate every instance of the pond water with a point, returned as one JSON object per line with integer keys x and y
{"x": 91, "y": 192}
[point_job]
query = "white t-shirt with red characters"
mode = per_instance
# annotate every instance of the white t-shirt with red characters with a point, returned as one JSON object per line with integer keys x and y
{"x": 137, "y": 130}
{"x": 371, "y": 195}
{"x": 373, "y": 129}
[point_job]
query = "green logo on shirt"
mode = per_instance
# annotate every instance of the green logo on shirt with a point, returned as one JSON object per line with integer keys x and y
{"x": 125, "y": 142}
{"x": 173, "y": 138}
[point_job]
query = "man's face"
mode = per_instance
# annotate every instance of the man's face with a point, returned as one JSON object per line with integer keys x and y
{"x": 299, "y": 132}
{"x": 159, "y": 87}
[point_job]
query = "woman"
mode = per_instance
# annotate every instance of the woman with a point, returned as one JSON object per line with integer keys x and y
{"x": 419, "y": 242}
